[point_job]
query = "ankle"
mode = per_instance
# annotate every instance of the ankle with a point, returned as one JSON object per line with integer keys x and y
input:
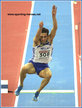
{"x": 36, "y": 94}
{"x": 38, "y": 91}
{"x": 21, "y": 85}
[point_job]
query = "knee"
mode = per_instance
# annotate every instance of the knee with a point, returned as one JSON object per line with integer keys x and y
{"x": 49, "y": 75}
{"x": 23, "y": 70}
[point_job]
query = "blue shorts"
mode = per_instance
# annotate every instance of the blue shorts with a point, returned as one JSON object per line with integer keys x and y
{"x": 39, "y": 66}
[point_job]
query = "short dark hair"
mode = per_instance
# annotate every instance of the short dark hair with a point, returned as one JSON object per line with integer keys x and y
{"x": 45, "y": 30}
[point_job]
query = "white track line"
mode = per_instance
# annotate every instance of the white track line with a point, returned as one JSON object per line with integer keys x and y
{"x": 4, "y": 82}
{"x": 74, "y": 56}
{"x": 48, "y": 91}
{"x": 25, "y": 49}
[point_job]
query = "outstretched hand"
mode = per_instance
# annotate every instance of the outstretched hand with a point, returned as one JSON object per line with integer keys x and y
{"x": 54, "y": 10}
{"x": 41, "y": 24}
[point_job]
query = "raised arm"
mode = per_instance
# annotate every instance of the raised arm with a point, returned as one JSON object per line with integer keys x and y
{"x": 53, "y": 31}
{"x": 37, "y": 37}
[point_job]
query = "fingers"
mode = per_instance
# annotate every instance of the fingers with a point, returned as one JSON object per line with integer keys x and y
{"x": 54, "y": 9}
{"x": 41, "y": 24}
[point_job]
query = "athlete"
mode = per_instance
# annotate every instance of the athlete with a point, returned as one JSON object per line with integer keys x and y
{"x": 42, "y": 52}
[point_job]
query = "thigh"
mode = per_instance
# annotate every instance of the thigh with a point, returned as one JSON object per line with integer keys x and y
{"x": 45, "y": 73}
{"x": 29, "y": 68}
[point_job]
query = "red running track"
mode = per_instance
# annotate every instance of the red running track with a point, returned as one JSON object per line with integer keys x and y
{"x": 13, "y": 36}
{"x": 77, "y": 21}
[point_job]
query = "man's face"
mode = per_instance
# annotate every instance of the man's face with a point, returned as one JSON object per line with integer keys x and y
{"x": 43, "y": 37}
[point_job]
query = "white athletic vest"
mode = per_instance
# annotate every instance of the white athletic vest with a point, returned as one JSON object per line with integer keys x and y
{"x": 42, "y": 54}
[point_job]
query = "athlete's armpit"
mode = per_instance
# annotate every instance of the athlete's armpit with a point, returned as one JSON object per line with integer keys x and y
{"x": 53, "y": 33}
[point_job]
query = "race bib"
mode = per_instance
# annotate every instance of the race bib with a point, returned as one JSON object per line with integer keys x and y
{"x": 44, "y": 54}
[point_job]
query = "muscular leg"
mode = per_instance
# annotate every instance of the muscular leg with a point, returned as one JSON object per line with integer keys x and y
{"x": 46, "y": 74}
{"x": 26, "y": 69}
